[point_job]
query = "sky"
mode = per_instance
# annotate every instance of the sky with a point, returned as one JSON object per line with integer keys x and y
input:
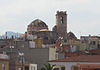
{"x": 83, "y": 15}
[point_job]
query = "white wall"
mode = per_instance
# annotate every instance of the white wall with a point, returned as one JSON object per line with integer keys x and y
{"x": 31, "y": 44}
{"x": 33, "y": 67}
{"x": 68, "y": 65}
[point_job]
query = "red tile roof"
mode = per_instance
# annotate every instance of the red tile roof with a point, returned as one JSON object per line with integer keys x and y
{"x": 4, "y": 59}
{"x": 83, "y": 58}
{"x": 97, "y": 51}
{"x": 71, "y": 54}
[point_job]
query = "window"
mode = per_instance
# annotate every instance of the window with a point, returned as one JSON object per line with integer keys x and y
{"x": 3, "y": 66}
{"x": 62, "y": 68}
{"x": 2, "y": 46}
{"x": 46, "y": 38}
{"x": 26, "y": 68}
{"x": 99, "y": 46}
{"x": 61, "y": 20}
{"x": 92, "y": 43}
{"x": 32, "y": 68}
{"x": 99, "y": 41}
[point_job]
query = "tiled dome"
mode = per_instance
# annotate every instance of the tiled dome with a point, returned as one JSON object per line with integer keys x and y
{"x": 37, "y": 25}
{"x": 38, "y": 22}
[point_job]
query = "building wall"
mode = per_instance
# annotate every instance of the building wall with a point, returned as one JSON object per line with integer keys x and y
{"x": 39, "y": 56}
{"x": 6, "y": 64}
{"x": 5, "y": 43}
{"x": 89, "y": 42}
{"x": 61, "y": 55}
{"x": 48, "y": 37}
{"x": 52, "y": 54}
{"x": 38, "y": 43}
{"x": 88, "y": 45}
{"x": 68, "y": 65}
{"x": 61, "y": 24}
{"x": 83, "y": 46}
{"x": 74, "y": 45}
{"x": 93, "y": 43}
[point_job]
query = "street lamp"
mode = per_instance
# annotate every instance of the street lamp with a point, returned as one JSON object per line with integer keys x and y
{"x": 21, "y": 58}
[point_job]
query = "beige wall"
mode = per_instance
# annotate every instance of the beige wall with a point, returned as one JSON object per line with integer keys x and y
{"x": 84, "y": 46}
{"x": 38, "y": 43}
{"x": 52, "y": 54}
{"x": 6, "y": 64}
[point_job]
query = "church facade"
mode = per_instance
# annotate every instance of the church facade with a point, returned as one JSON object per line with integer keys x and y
{"x": 40, "y": 29}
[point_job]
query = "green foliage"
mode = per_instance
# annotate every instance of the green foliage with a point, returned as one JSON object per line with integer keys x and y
{"x": 47, "y": 67}
{"x": 43, "y": 68}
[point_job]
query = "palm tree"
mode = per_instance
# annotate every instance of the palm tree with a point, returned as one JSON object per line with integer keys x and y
{"x": 47, "y": 67}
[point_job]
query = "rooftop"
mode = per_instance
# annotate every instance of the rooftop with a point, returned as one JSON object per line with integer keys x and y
{"x": 83, "y": 58}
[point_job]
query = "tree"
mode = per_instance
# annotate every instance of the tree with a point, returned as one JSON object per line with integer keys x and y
{"x": 47, "y": 67}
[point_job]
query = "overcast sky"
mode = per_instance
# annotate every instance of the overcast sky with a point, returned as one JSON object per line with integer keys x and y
{"x": 83, "y": 15}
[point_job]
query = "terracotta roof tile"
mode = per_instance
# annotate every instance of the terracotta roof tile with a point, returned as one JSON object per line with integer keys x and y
{"x": 83, "y": 58}
{"x": 71, "y": 54}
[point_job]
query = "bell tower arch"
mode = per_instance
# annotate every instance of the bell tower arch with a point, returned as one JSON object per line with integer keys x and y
{"x": 61, "y": 24}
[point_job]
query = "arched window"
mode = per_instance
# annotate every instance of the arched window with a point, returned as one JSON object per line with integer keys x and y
{"x": 61, "y": 20}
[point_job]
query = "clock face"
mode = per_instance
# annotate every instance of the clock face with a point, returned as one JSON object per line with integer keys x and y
{"x": 61, "y": 20}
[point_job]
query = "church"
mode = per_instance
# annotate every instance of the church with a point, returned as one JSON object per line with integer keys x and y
{"x": 40, "y": 29}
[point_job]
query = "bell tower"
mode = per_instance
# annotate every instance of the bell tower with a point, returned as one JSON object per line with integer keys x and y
{"x": 61, "y": 24}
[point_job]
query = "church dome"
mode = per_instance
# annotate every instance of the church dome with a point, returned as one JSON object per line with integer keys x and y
{"x": 38, "y": 22}
{"x": 37, "y": 25}
{"x": 71, "y": 36}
